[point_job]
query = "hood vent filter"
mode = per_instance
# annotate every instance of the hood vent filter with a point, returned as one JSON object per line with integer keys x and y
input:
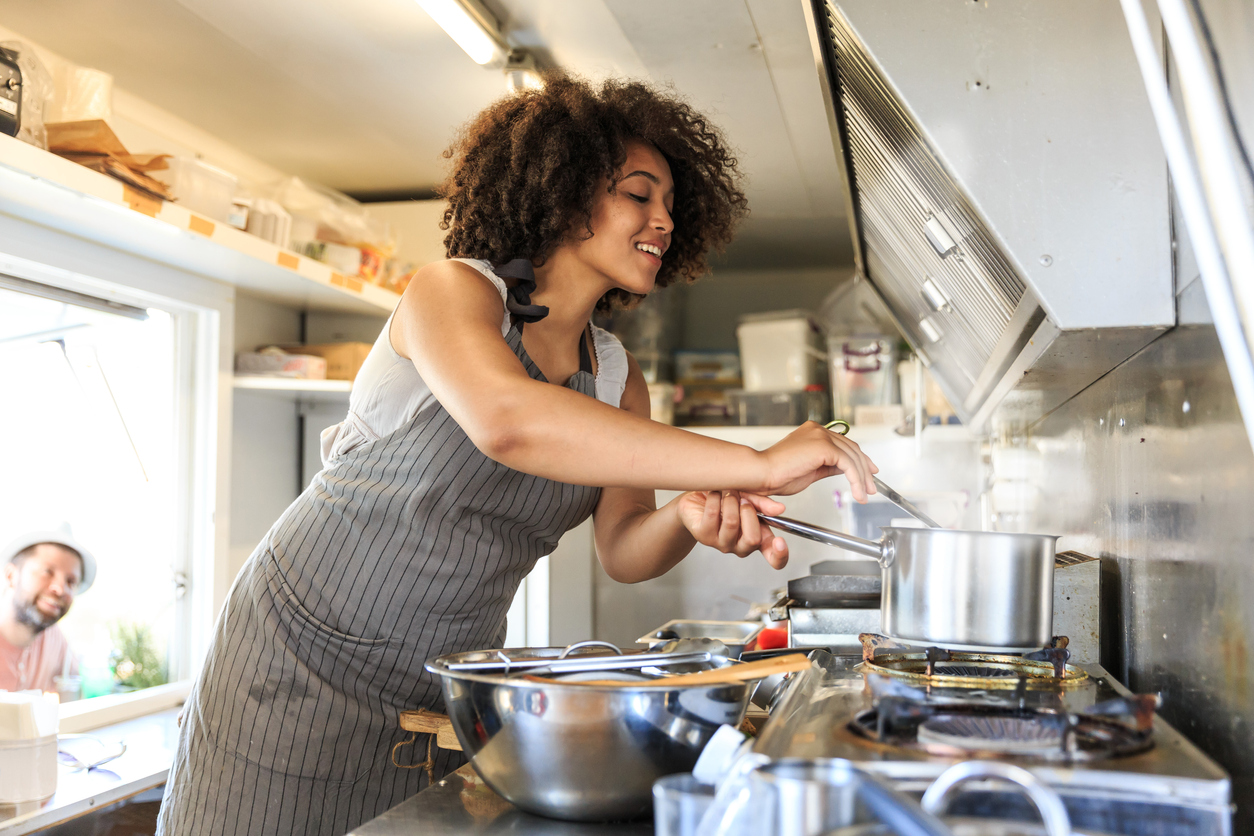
{"x": 925, "y": 247}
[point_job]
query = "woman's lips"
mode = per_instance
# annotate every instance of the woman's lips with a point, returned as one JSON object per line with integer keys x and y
{"x": 654, "y": 260}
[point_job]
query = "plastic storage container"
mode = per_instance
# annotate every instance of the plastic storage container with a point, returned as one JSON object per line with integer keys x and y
{"x": 200, "y": 187}
{"x": 778, "y": 409}
{"x": 28, "y": 747}
{"x": 780, "y": 351}
{"x": 713, "y": 366}
{"x": 863, "y": 372}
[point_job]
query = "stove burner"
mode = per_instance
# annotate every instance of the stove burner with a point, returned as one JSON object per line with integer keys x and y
{"x": 979, "y": 671}
{"x": 964, "y": 731}
{"x": 1007, "y": 735}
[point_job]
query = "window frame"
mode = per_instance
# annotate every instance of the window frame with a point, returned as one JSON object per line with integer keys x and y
{"x": 203, "y": 317}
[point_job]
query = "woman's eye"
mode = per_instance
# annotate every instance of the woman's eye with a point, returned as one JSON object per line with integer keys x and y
{"x": 639, "y": 198}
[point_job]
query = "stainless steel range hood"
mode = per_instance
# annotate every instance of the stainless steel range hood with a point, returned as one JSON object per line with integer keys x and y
{"x": 1009, "y": 195}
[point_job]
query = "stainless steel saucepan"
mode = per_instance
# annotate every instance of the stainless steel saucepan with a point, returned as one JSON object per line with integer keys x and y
{"x": 957, "y": 589}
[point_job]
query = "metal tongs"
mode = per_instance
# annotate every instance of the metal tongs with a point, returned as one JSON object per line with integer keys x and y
{"x": 579, "y": 664}
{"x": 842, "y": 428}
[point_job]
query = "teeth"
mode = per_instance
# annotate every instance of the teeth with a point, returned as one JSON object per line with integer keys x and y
{"x": 651, "y": 249}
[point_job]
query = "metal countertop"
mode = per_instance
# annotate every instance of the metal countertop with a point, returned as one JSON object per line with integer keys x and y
{"x": 463, "y": 804}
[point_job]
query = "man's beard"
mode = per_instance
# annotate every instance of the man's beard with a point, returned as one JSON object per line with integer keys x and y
{"x": 26, "y": 613}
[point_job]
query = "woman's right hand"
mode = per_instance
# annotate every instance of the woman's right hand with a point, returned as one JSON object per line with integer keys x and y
{"x": 810, "y": 453}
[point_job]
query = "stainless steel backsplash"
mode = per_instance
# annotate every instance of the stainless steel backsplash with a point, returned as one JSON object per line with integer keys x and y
{"x": 1150, "y": 470}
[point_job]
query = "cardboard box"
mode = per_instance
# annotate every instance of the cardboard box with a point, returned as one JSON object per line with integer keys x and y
{"x": 343, "y": 359}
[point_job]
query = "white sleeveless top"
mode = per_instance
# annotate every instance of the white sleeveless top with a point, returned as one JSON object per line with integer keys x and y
{"x": 388, "y": 391}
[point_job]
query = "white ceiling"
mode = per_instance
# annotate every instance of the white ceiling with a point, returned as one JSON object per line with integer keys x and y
{"x": 364, "y": 96}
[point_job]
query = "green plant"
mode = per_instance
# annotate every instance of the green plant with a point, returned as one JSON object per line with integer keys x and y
{"x": 136, "y": 663}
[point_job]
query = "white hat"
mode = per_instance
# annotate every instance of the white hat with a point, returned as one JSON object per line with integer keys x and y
{"x": 61, "y": 538}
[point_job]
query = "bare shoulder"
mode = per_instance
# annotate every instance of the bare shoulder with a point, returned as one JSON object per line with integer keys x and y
{"x": 448, "y": 280}
{"x": 452, "y": 292}
{"x": 636, "y": 391}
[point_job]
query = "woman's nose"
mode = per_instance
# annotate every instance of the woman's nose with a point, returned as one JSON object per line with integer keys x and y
{"x": 662, "y": 221}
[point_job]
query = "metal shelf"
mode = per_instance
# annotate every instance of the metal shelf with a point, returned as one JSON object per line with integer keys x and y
{"x": 43, "y": 188}
{"x": 321, "y": 390}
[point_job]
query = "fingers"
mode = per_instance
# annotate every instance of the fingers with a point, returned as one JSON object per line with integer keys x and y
{"x": 728, "y": 522}
{"x": 729, "y": 530}
{"x": 856, "y": 465}
{"x": 773, "y": 548}
{"x": 750, "y": 528}
{"x": 764, "y": 504}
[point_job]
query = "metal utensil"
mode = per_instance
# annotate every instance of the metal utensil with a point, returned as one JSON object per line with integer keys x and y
{"x": 565, "y": 663}
{"x": 842, "y": 428}
{"x": 743, "y": 672}
{"x": 903, "y": 503}
{"x": 956, "y": 589}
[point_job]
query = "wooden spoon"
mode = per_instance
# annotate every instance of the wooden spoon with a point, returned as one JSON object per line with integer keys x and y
{"x": 761, "y": 669}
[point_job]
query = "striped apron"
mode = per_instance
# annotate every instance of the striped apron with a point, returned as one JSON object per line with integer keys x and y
{"x": 407, "y": 548}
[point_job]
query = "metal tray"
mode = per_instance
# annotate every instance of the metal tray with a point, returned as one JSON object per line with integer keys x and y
{"x": 835, "y": 590}
{"x": 734, "y": 634}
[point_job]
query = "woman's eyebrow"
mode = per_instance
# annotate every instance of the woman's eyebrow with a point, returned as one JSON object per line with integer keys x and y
{"x": 650, "y": 176}
{"x": 653, "y": 178}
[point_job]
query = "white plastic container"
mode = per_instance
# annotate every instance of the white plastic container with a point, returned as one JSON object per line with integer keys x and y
{"x": 270, "y": 221}
{"x": 780, "y": 352}
{"x": 200, "y": 187}
{"x": 863, "y": 372}
{"x": 28, "y": 747}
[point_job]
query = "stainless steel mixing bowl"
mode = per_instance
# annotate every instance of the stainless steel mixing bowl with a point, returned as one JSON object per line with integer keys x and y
{"x": 581, "y": 752}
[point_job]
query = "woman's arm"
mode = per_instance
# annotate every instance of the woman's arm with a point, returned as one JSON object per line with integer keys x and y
{"x": 448, "y": 325}
{"x": 637, "y": 541}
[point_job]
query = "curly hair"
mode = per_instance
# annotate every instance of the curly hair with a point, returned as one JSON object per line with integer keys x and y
{"x": 526, "y": 172}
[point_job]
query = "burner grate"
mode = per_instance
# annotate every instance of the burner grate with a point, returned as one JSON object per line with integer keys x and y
{"x": 963, "y": 731}
{"x": 974, "y": 670}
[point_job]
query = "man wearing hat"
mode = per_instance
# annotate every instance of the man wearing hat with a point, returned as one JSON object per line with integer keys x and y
{"x": 40, "y": 574}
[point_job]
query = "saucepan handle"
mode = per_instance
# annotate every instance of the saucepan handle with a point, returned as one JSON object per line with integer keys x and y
{"x": 881, "y": 552}
{"x": 899, "y": 811}
{"x": 1048, "y": 803}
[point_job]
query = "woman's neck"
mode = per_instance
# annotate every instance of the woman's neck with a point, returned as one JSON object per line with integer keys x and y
{"x": 570, "y": 290}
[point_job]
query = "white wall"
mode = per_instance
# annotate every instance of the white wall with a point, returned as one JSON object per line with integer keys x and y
{"x": 417, "y": 227}
{"x": 714, "y": 303}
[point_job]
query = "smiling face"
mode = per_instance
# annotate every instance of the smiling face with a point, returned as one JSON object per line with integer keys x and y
{"x": 631, "y": 224}
{"x": 40, "y": 586}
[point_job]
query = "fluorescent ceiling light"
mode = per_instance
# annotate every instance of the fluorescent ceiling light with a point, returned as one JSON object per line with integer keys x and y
{"x": 470, "y": 31}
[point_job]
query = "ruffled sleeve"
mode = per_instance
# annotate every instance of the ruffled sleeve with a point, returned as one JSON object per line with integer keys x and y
{"x": 611, "y": 376}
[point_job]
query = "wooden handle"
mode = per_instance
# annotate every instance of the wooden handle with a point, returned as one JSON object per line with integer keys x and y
{"x": 761, "y": 669}
{"x": 428, "y": 722}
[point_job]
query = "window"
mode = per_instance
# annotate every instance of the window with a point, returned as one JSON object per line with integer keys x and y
{"x": 90, "y": 426}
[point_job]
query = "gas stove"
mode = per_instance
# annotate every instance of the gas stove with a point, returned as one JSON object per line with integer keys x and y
{"x": 908, "y": 714}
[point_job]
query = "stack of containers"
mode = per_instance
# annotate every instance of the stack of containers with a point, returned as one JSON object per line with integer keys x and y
{"x": 782, "y": 361}
{"x": 704, "y": 379}
{"x": 862, "y": 356}
{"x": 28, "y": 747}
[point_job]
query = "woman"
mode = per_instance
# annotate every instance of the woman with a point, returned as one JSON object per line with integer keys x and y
{"x": 490, "y": 418}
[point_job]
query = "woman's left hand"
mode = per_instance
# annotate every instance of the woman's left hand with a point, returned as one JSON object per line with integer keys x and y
{"x": 728, "y": 521}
